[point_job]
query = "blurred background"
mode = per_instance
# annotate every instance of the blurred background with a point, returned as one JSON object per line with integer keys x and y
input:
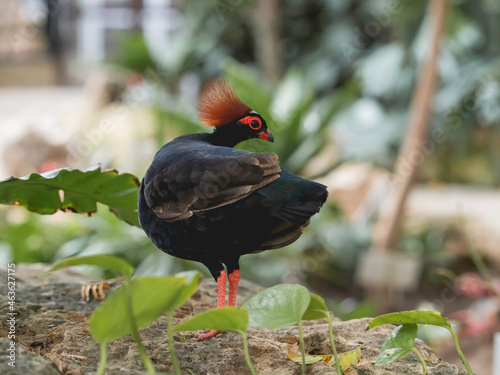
{"x": 110, "y": 81}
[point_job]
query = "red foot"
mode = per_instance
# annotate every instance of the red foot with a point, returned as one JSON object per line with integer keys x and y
{"x": 234, "y": 278}
{"x": 207, "y": 334}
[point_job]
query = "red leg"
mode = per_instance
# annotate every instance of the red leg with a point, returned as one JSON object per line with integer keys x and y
{"x": 221, "y": 302}
{"x": 234, "y": 279}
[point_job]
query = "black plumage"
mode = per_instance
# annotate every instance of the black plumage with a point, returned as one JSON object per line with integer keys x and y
{"x": 203, "y": 200}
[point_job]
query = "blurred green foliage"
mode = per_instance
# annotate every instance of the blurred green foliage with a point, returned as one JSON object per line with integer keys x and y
{"x": 350, "y": 72}
{"x": 429, "y": 243}
{"x": 351, "y": 67}
{"x": 353, "y": 64}
{"x": 30, "y": 238}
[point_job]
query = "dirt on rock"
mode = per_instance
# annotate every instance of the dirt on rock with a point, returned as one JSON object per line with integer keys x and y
{"x": 52, "y": 337}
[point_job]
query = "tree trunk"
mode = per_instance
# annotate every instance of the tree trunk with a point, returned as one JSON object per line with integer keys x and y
{"x": 412, "y": 154}
{"x": 267, "y": 39}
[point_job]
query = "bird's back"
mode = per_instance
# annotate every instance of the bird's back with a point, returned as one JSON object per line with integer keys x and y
{"x": 270, "y": 217}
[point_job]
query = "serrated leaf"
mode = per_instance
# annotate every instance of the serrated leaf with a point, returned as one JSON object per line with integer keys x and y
{"x": 150, "y": 297}
{"x": 411, "y": 317}
{"x": 400, "y": 342}
{"x": 309, "y": 359}
{"x": 226, "y": 319}
{"x": 317, "y": 308}
{"x": 347, "y": 359}
{"x": 106, "y": 261}
{"x": 279, "y": 306}
{"x": 82, "y": 191}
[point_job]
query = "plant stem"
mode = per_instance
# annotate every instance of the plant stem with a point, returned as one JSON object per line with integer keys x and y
{"x": 247, "y": 354}
{"x": 421, "y": 360}
{"x": 104, "y": 356}
{"x": 302, "y": 348}
{"x": 171, "y": 349}
{"x": 135, "y": 332}
{"x": 459, "y": 351}
{"x": 335, "y": 355}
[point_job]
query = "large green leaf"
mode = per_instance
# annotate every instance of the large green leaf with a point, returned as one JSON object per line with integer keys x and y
{"x": 82, "y": 190}
{"x": 400, "y": 342}
{"x": 279, "y": 306}
{"x": 232, "y": 319}
{"x": 317, "y": 308}
{"x": 150, "y": 297}
{"x": 190, "y": 285}
{"x": 101, "y": 260}
{"x": 411, "y": 317}
{"x": 249, "y": 87}
{"x": 133, "y": 53}
{"x": 185, "y": 122}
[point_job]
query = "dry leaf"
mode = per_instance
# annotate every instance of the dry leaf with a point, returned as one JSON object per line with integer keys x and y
{"x": 78, "y": 318}
{"x": 310, "y": 359}
{"x": 59, "y": 363}
{"x": 347, "y": 359}
{"x": 292, "y": 340}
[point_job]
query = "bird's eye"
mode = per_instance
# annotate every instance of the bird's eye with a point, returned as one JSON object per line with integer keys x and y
{"x": 254, "y": 122}
{"x": 255, "y": 125}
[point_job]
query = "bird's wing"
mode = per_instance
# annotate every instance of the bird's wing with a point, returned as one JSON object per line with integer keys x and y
{"x": 196, "y": 184}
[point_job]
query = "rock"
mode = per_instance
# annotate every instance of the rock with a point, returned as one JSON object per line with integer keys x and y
{"x": 26, "y": 362}
{"x": 53, "y": 321}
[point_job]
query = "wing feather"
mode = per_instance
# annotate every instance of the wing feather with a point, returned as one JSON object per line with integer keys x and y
{"x": 204, "y": 183}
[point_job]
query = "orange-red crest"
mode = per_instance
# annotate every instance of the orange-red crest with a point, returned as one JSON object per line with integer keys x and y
{"x": 219, "y": 105}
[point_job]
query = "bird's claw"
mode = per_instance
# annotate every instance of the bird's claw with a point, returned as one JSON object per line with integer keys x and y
{"x": 207, "y": 334}
{"x": 97, "y": 289}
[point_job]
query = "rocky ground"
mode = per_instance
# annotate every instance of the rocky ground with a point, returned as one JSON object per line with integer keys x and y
{"x": 52, "y": 337}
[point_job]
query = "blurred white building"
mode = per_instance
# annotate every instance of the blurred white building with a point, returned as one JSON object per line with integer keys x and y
{"x": 44, "y": 42}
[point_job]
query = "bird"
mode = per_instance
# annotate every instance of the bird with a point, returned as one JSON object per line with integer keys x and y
{"x": 203, "y": 200}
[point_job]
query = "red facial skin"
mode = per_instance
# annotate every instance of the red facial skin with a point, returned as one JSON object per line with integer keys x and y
{"x": 266, "y": 135}
{"x": 248, "y": 120}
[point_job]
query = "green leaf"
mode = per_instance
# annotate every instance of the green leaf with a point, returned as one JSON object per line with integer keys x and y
{"x": 232, "y": 319}
{"x": 249, "y": 88}
{"x": 150, "y": 297}
{"x": 101, "y": 260}
{"x": 317, "y": 308}
{"x": 182, "y": 120}
{"x": 411, "y": 317}
{"x": 279, "y": 306}
{"x": 40, "y": 193}
{"x": 293, "y": 126}
{"x": 399, "y": 343}
{"x": 133, "y": 53}
{"x": 191, "y": 279}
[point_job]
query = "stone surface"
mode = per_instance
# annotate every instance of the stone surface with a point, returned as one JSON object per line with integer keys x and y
{"x": 52, "y": 323}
